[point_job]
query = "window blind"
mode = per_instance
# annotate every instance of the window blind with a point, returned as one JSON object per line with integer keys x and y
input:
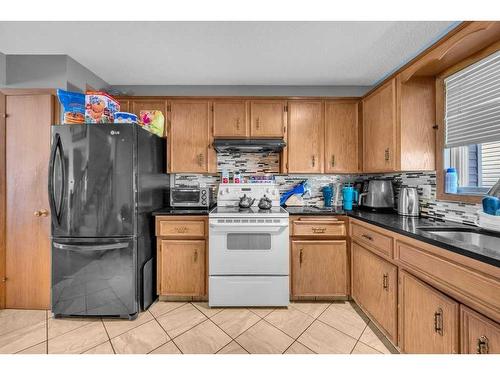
{"x": 472, "y": 103}
{"x": 490, "y": 164}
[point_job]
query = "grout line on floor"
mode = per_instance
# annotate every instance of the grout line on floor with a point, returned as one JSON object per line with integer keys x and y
{"x": 109, "y": 337}
{"x": 295, "y": 340}
{"x": 240, "y": 332}
{"x": 171, "y": 339}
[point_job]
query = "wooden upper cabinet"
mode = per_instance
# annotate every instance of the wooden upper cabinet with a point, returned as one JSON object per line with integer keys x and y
{"x": 379, "y": 129}
{"x": 230, "y": 118}
{"x": 428, "y": 320}
{"x": 479, "y": 335}
{"x": 124, "y": 105}
{"x": 305, "y": 137}
{"x": 267, "y": 118}
{"x": 341, "y": 137}
{"x": 375, "y": 288}
{"x": 189, "y": 137}
{"x": 319, "y": 268}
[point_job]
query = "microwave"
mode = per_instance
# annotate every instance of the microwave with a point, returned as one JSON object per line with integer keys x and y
{"x": 191, "y": 197}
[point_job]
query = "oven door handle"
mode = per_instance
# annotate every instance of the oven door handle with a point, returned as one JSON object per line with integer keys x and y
{"x": 245, "y": 227}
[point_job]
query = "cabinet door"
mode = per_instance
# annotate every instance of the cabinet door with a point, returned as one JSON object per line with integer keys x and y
{"x": 230, "y": 118}
{"x": 124, "y": 105}
{"x": 319, "y": 268}
{"x": 428, "y": 320}
{"x": 267, "y": 118}
{"x": 479, "y": 335}
{"x": 181, "y": 267}
{"x": 305, "y": 137}
{"x": 379, "y": 129}
{"x": 341, "y": 137}
{"x": 189, "y": 136}
{"x": 374, "y": 287}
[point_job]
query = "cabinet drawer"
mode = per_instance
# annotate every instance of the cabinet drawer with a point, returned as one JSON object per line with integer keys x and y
{"x": 378, "y": 241}
{"x": 318, "y": 227}
{"x": 461, "y": 282}
{"x": 479, "y": 335}
{"x": 180, "y": 228}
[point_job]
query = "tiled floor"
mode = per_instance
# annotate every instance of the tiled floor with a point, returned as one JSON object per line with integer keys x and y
{"x": 178, "y": 327}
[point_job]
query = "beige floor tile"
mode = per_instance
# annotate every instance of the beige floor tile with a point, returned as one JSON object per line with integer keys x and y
{"x": 261, "y": 311}
{"x": 104, "y": 348}
{"x": 345, "y": 319}
{"x": 23, "y": 338}
{"x": 205, "y": 338}
{"x": 235, "y": 321}
{"x": 35, "y": 349}
{"x": 313, "y": 309}
{"x": 168, "y": 348}
{"x": 79, "y": 340}
{"x": 361, "y": 348}
{"x": 298, "y": 348}
{"x": 60, "y": 326}
{"x": 161, "y": 307}
{"x": 13, "y": 319}
{"x": 140, "y": 340}
{"x": 180, "y": 320}
{"x": 263, "y": 338}
{"x": 205, "y": 309}
{"x": 116, "y": 327}
{"x": 324, "y": 339}
{"x": 291, "y": 321}
{"x": 232, "y": 348}
{"x": 372, "y": 337}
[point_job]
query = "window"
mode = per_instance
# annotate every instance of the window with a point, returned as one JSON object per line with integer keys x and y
{"x": 472, "y": 125}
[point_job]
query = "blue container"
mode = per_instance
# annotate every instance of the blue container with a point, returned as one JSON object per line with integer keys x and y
{"x": 349, "y": 195}
{"x": 451, "y": 181}
{"x": 328, "y": 195}
{"x": 491, "y": 205}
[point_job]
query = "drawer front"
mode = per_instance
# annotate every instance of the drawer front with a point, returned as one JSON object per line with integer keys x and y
{"x": 181, "y": 228}
{"x": 479, "y": 335}
{"x": 378, "y": 241}
{"x": 455, "y": 279}
{"x": 318, "y": 227}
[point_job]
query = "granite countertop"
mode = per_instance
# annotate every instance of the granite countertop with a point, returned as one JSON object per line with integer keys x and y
{"x": 314, "y": 210}
{"x": 182, "y": 211}
{"x": 415, "y": 228}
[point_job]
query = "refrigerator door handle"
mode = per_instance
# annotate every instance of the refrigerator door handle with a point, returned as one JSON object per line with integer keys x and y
{"x": 56, "y": 207}
{"x": 119, "y": 245}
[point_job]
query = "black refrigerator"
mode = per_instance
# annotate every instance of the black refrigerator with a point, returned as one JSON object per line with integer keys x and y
{"x": 104, "y": 182}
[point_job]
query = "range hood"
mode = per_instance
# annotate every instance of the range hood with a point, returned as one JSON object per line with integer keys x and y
{"x": 249, "y": 145}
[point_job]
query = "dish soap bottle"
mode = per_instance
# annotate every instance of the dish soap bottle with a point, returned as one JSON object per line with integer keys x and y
{"x": 451, "y": 181}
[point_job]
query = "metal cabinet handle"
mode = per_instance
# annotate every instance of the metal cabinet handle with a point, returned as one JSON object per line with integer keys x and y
{"x": 438, "y": 321}
{"x": 301, "y": 257}
{"x": 482, "y": 345}
{"x": 200, "y": 160}
{"x": 318, "y": 229}
{"x": 333, "y": 161}
{"x": 238, "y": 123}
{"x": 314, "y": 160}
{"x": 42, "y": 212}
{"x": 257, "y": 123}
{"x": 387, "y": 154}
{"x": 385, "y": 282}
{"x": 368, "y": 237}
{"x": 195, "y": 255}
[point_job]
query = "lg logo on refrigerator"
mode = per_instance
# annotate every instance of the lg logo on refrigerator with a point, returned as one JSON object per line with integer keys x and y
{"x": 115, "y": 132}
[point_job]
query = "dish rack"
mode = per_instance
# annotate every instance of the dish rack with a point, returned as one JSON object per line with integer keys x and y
{"x": 489, "y": 222}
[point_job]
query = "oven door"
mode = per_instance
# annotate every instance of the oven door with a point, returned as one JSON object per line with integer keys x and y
{"x": 185, "y": 197}
{"x": 248, "y": 249}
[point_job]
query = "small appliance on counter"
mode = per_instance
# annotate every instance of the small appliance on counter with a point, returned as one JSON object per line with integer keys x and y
{"x": 191, "y": 197}
{"x": 378, "y": 196}
{"x": 408, "y": 203}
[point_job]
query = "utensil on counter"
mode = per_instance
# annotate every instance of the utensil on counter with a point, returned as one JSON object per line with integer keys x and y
{"x": 408, "y": 203}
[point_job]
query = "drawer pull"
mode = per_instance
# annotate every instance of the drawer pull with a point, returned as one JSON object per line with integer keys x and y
{"x": 319, "y": 229}
{"x": 196, "y": 255}
{"x": 482, "y": 345}
{"x": 385, "y": 282}
{"x": 301, "y": 257}
{"x": 368, "y": 237}
{"x": 181, "y": 229}
{"x": 438, "y": 321}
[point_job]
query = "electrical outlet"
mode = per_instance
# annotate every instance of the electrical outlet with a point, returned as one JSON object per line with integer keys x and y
{"x": 426, "y": 191}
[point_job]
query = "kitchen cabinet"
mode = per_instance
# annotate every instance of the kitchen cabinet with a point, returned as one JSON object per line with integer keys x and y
{"x": 305, "y": 137}
{"x": 124, "y": 105}
{"x": 399, "y": 126}
{"x": 478, "y": 334}
{"x": 375, "y": 288}
{"x": 341, "y": 137}
{"x": 267, "y": 118}
{"x": 190, "y": 138}
{"x": 230, "y": 118}
{"x": 319, "y": 268}
{"x": 181, "y": 267}
{"x": 428, "y": 319}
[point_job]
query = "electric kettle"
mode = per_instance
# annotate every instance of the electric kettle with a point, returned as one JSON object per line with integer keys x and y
{"x": 408, "y": 204}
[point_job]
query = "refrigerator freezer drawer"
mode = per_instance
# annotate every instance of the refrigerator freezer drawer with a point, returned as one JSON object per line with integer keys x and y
{"x": 248, "y": 291}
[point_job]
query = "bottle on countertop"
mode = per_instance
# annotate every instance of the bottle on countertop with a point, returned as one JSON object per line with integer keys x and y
{"x": 225, "y": 176}
{"x": 451, "y": 181}
{"x": 237, "y": 177}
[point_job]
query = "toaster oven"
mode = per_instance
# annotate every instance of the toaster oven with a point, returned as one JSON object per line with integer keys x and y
{"x": 191, "y": 197}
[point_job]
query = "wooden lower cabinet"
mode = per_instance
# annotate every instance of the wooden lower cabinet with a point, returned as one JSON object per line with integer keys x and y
{"x": 478, "y": 334}
{"x": 428, "y": 319}
{"x": 181, "y": 267}
{"x": 319, "y": 268}
{"x": 375, "y": 289}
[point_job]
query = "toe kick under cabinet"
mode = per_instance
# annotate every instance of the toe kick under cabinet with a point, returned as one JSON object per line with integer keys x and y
{"x": 319, "y": 258}
{"x": 181, "y": 257}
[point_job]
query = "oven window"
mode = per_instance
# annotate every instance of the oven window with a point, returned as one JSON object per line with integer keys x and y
{"x": 186, "y": 196}
{"x": 249, "y": 241}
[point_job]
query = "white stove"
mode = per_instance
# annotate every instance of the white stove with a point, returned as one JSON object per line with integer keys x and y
{"x": 248, "y": 249}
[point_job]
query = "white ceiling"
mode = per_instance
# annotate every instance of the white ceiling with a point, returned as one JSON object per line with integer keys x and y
{"x": 228, "y": 53}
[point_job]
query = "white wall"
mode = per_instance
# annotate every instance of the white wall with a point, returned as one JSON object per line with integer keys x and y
{"x": 78, "y": 77}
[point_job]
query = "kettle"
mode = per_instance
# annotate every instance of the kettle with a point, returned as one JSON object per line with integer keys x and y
{"x": 265, "y": 203}
{"x": 246, "y": 202}
{"x": 408, "y": 204}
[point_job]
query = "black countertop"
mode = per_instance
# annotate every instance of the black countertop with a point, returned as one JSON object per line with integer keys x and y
{"x": 418, "y": 227}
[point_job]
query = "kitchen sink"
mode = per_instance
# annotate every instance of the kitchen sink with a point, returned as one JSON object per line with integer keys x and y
{"x": 470, "y": 237}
